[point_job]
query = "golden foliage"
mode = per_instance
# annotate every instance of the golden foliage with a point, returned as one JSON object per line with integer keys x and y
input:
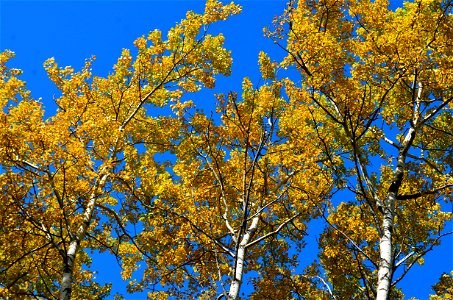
{"x": 372, "y": 114}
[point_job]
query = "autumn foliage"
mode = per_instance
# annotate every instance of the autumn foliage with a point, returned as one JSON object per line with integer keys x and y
{"x": 353, "y": 127}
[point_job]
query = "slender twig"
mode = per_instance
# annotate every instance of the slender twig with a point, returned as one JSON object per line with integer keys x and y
{"x": 272, "y": 233}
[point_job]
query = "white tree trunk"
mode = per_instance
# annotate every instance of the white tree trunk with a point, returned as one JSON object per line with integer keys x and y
{"x": 385, "y": 272}
{"x": 237, "y": 276}
{"x": 236, "y": 281}
{"x": 68, "y": 268}
{"x": 66, "y": 283}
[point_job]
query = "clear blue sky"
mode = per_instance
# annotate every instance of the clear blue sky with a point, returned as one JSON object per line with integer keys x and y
{"x": 72, "y": 31}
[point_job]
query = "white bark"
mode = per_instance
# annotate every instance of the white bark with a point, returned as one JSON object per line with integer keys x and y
{"x": 66, "y": 283}
{"x": 68, "y": 268}
{"x": 385, "y": 272}
{"x": 240, "y": 258}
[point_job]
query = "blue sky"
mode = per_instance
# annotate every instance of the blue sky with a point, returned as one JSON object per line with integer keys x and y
{"x": 72, "y": 31}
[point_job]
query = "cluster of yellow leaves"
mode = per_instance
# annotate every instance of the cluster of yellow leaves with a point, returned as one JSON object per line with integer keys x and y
{"x": 346, "y": 245}
{"x": 278, "y": 283}
{"x": 443, "y": 288}
{"x": 267, "y": 68}
{"x": 216, "y": 10}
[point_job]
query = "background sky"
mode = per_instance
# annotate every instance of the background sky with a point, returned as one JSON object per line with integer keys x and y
{"x": 72, "y": 31}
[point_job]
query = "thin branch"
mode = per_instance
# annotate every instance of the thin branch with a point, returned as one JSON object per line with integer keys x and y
{"x": 224, "y": 292}
{"x": 349, "y": 239}
{"x": 123, "y": 229}
{"x": 419, "y": 255}
{"x": 327, "y": 285}
{"x": 404, "y": 259}
{"x": 219, "y": 178}
{"x": 421, "y": 194}
{"x": 276, "y": 231}
{"x": 433, "y": 113}
{"x": 261, "y": 209}
{"x": 215, "y": 240}
{"x": 3, "y": 270}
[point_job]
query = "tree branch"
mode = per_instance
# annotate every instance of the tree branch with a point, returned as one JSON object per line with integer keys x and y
{"x": 421, "y": 194}
{"x": 276, "y": 231}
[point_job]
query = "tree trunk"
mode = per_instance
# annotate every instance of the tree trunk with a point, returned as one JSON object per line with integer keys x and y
{"x": 385, "y": 272}
{"x": 66, "y": 283}
{"x": 236, "y": 281}
{"x": 68, "y": 268}
{"x": 237, "y": 277}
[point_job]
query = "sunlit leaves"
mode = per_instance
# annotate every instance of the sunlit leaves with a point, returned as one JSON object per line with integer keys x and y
{"x": 375, "y": 86}
{"x": 237, "y": 182}
{"x": 216, "y": 10}
{"x": 69, "y": 181}
{"x": 192, "y": 201}
{"x": 443, "y": 288}
{"x": 11, "y": 87}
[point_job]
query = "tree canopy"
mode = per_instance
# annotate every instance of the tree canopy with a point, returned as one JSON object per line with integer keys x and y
{"x": 352, "y": 127}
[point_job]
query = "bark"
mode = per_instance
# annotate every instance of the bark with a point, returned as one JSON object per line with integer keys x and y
{"x": 385, "y": 272}
{"x": 68, "y": 268}
{"x": 66, "y": 283}
{"x": 240, "y": 258}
